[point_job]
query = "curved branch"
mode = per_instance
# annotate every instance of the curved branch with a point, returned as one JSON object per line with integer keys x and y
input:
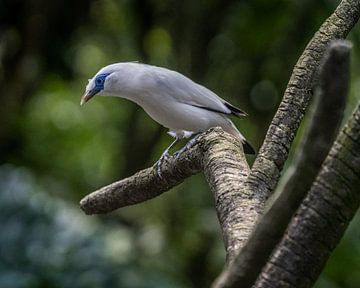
{"x": 146, "y": 184}
{"x": 266, "y": 170}
{"x": 322, "y": 218}
{"x": 320, "y": 135}
{"x": 223, "y": 161}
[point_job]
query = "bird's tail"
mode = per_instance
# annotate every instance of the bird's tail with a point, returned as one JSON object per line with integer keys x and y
{"x": 248, "y": 149}
{"x": 231, "y": 129}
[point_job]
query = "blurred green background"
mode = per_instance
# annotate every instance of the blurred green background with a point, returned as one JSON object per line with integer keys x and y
{"x": 53, "y": 152}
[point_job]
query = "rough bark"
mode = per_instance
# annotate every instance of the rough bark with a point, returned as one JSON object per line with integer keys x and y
{"x": 321, "y": 133}
{"x": 222, "y": 159}
{"x": 266, "y": 170}
{"x": 225, "y": 168}
{"x": 145, "y": 184}
{"x": 322, "y": 218}
{"x": 238, "y": 203}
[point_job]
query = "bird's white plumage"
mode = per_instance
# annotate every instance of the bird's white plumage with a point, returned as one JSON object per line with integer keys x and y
{"x": 169, "y": 97}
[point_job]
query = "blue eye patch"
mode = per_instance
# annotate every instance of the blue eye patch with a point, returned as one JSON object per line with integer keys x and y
{"x": 100, "y": 80}
{"x": 99, "y": 84}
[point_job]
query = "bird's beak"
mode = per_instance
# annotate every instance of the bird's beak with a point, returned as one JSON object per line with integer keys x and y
{"x": 87, "y": 96}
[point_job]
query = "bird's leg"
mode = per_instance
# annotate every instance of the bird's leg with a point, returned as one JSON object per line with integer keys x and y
{"x": 165, "y": 156}
{"x": 188, "y": 145}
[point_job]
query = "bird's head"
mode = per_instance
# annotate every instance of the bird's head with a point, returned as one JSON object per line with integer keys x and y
{"x": 114, "y": 80}
{"x": 96, "y": 86}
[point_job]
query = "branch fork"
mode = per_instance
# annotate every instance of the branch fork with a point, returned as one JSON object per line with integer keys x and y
{"x": 240, "y": 193}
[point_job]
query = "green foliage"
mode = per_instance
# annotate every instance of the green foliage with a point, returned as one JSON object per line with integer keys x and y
{"x": 47, "y": 242}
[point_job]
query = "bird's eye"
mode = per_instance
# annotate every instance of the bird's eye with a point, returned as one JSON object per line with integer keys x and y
{"x": 99, "y": 81}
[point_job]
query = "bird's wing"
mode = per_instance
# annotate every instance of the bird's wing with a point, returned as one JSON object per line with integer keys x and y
{"x": 206, "y": 99}
{"x": 188, "y": 92}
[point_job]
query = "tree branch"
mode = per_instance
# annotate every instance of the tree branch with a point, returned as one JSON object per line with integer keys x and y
{"x": 238, "y": 204}
{"x": 226, "y": 169}
{"x": 146, "y": 184}
{"x": 320, "y": 135}
{"x": 223, "y": 161}
{"x": 322, "y": 218}
{"x": 266, "y": 170}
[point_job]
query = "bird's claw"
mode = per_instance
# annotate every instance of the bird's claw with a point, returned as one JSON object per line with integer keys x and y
{"x": 186, "y": 147}
{"x": 166, "y": 156}
{"x": 160, "y": 162}
{"x": 176, "y": 155}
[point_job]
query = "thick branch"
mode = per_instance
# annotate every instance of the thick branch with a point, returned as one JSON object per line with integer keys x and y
{"x": 315, "y": 147}
{"x": 265, "y": 173}
{"x": 266, "y": 170}
{"x": 226, "y": 169}
{"x": 146, "y": 184}
{"x": 322, "y": 218}
{"x": 223, "y": 161}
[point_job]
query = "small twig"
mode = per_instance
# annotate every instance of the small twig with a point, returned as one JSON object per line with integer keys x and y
{"x": 320, "y": 135}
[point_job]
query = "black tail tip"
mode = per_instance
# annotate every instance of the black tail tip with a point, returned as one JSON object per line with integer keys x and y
{"x": 248, "y": 149}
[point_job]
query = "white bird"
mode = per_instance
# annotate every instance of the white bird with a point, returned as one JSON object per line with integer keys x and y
{"x": 170, "y": 98}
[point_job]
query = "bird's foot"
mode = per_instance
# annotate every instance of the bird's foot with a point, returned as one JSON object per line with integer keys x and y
{"x": 188, "y": 145}
{"x": 164, "y": 157}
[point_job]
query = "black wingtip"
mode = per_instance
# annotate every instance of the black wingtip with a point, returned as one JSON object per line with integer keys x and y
{"x": 235, "y": 111}
{"x": 248, "y": 149}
